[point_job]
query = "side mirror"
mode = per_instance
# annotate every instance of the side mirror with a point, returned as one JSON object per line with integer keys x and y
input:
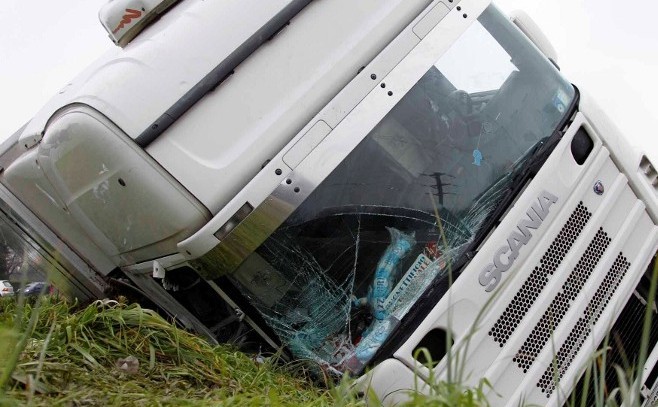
{"x": 531, "y": 30}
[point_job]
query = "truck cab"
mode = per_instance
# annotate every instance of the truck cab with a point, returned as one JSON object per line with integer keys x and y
{"x": 397, "y": 190}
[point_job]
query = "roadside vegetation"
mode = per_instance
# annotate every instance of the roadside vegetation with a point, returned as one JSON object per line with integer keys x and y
{"x": 111, "y": 353}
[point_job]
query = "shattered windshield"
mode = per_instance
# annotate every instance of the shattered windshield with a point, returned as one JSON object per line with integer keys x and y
{"x": 334, "y": 281}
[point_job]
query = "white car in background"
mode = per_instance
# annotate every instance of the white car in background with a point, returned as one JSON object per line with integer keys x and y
{"x": 6, "y": 288}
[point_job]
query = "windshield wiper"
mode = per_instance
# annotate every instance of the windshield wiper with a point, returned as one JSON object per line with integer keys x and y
{"x": 525, "y": 170}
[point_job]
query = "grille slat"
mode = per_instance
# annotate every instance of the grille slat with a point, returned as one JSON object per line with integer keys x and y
{"x": 583, "y": 327}
{"x": 538, "y": 279}
{"x": 623, "y": 346}
{"x": 562, "y": 301}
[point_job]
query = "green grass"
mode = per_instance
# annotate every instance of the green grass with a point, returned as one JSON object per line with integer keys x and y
{"x": 67, "y": 355}
{"x": 54, "y": 352}
{"x": 70, "y": 358}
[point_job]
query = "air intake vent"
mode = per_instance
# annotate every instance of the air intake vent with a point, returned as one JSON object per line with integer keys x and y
{"x": 562, "y": 301}
{"x": 623, "y": 347}
{"x": 581, "y": 331}
{"x": 533, "y": 286}
{"x": 581, "y": 146}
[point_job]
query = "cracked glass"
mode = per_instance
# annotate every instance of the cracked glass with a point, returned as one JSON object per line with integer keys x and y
{"x": 335, "y": 280}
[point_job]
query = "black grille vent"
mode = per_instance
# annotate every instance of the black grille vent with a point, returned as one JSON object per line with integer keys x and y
{"x": 562, "y": 301}
{"x": 623, "y": 346}
{"x": 583, "y": 328}
{"x": 532, "y": 287}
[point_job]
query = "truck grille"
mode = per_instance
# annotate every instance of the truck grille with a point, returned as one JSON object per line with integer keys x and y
{"x": 583, "y": 327}
{"x": 568, "y": 291}
{"x": 533, "y": 286}
{"x": 562, "y": 301}
{"x": 623, "y": 348}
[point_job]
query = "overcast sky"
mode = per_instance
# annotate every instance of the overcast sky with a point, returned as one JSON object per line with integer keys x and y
{"x": 606, "y": 47}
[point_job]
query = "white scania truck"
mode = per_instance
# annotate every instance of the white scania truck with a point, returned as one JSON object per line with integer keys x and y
{"x": 350, "y": 181}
